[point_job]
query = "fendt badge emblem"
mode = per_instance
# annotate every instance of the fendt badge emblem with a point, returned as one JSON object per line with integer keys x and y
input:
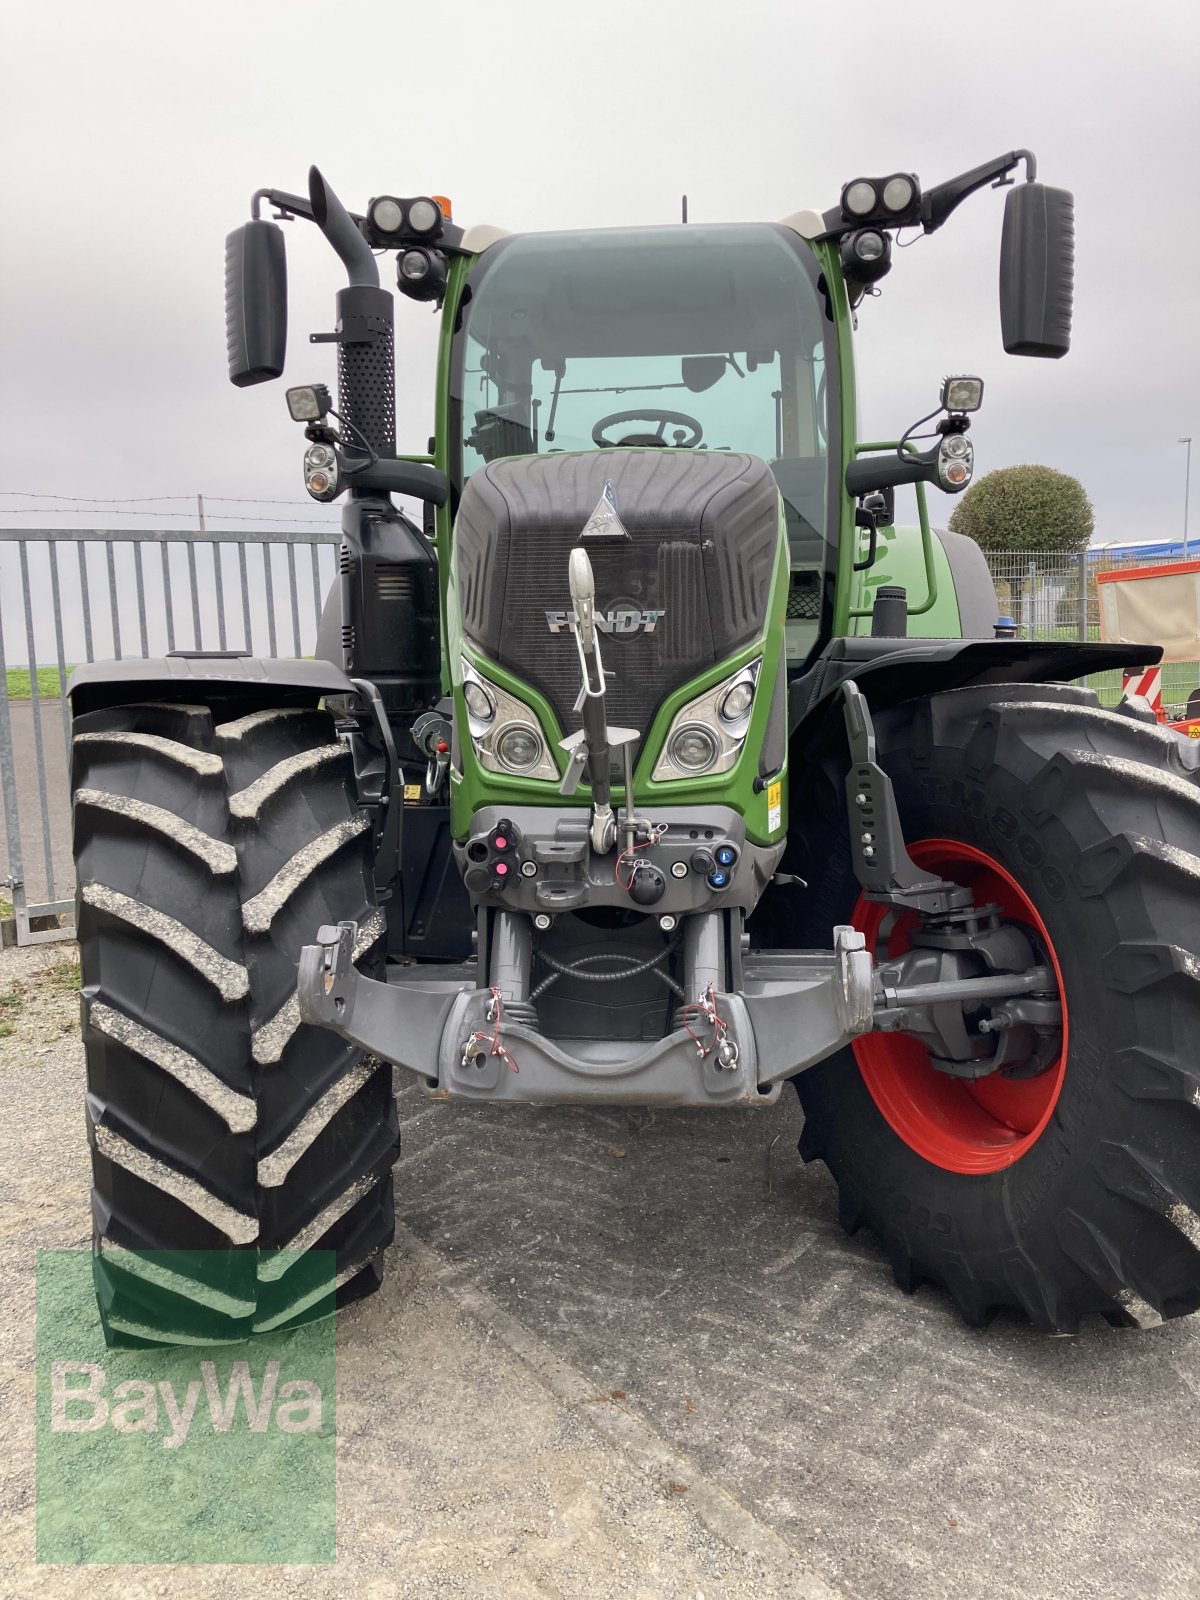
{"x": 605, "y": 523}
{"x": 624, "y": 620}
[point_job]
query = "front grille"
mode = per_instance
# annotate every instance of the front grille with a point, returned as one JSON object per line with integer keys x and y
{"x": 645, "y": 575}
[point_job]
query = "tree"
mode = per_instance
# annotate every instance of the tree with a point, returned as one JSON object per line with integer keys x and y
{"x": 1026, "y": 508}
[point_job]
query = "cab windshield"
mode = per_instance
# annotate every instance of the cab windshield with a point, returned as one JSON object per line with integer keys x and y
{"x": 703, "y": 338}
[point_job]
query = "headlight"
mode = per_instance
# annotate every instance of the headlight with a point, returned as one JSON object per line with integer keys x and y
{"x": 478, "y": 701}
{"x": 692, "y": 749}
{"x": 955, "y": 462}
{"x": 519, "y": 747}
{"x": 321, "y": 476}
{"x": 707, "y": 735}
{"x": 504, "y": 730}
{"x": 734, "y": 705}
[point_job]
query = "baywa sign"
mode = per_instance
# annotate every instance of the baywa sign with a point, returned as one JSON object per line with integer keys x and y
{"x": 80, "y": 1403}
{"x": 216, "y": 1448}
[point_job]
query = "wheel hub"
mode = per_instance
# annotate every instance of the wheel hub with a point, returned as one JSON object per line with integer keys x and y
{"x": 980, "y": 1108}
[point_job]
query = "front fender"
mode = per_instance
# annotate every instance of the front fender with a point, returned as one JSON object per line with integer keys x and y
{"x": 891, "y": 670}
{"x": 200, "y": 676}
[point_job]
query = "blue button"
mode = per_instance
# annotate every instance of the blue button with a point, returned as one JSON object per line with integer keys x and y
{"x": 718, "y": 879}
{"x": 726, "y": 855}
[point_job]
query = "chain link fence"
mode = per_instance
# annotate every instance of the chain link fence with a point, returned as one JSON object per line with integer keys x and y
{"x": 1055, "y": 597}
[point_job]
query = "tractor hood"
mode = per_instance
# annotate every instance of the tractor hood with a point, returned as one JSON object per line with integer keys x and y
{"x": 682, "y": 578}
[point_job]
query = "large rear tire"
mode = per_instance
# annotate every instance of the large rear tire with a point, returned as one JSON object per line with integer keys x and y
{"x": 211, "y": 841}
{"x": 1077, "y": 1191}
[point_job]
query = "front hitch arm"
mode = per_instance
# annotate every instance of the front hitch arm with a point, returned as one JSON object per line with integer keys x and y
{"x": 881, "y": 860}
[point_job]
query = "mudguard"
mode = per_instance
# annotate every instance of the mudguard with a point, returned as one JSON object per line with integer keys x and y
{"x": 106, "y": 683}
{"x": 891, "y": 670}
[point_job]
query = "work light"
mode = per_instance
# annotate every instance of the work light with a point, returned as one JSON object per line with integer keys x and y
{"x": 895, "y": 200}
{"x": 309, "y": 403}
{"x": 421, "y": 273}
{"x": 859, "y": 198}
{"x": 962, "y": 394}
{"x": 387, "y": 214}
{"x": 424, "y": 216}
{"x": 866, "y": 255}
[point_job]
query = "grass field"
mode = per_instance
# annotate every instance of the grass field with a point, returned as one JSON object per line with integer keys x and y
{"x": 47, "y": 683}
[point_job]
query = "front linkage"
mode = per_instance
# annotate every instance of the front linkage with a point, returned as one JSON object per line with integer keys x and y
{"x": 969, "y": 986}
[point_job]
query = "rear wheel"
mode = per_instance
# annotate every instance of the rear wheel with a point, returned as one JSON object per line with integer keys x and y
{"x": 1076, "y": 1190}
{"x": 241, "y": 1160}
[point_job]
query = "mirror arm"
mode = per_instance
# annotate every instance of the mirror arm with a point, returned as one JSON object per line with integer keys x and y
{"x": 868, "y": 474}
{"x": 286, "y": 205}
{"x": 937, "y": 203}
{"x": 416, "y": 478}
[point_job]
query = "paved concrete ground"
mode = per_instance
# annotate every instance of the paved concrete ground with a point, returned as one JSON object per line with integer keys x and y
{"x": 821, "y": 1420}
{"x": 58, "y": 803}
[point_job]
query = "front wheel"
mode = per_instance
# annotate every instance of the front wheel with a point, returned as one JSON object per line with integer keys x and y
{"x": 241, "y": 1160}
{"x": 1077, "y": 1189}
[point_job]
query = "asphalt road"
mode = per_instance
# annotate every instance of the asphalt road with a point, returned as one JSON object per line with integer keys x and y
{"x": 57, "y": 818}
{"x": 586, "y": 1307}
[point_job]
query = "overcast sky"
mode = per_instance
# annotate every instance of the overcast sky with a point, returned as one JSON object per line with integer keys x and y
{"x": 134, "y": 133}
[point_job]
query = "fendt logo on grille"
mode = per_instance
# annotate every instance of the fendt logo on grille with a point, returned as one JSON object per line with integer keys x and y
{"x": 617, "y": 619}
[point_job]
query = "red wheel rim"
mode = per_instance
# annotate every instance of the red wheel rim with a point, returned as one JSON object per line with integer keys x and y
{"x": 970, "y": 1127}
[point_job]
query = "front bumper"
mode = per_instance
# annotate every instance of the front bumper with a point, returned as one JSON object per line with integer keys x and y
{"x": 795, "y": 1009}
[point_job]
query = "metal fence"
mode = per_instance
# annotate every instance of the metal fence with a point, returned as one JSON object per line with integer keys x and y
{"x": 1056, "y": 597}
{"x": 71, "y": 595}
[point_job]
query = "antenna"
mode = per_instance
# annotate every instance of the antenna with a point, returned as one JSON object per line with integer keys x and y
{"x": 685, "y": 208}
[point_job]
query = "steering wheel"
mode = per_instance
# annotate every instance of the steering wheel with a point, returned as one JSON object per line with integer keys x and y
{"x": 614, "y": 418}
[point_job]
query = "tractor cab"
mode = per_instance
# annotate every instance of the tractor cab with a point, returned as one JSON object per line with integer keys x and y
{"x": 709, "y": 340}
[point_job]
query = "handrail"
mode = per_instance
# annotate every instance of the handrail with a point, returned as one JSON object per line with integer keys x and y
{"x": 865, "y": 448}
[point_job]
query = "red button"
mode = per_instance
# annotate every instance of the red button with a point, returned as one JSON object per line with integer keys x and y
{"x": 501, "y": 842}
{"x": 501, "y": 869}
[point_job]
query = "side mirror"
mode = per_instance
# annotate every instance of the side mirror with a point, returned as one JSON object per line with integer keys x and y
{"x": 255, "y": 303}
{"x": 1037, "y": 270}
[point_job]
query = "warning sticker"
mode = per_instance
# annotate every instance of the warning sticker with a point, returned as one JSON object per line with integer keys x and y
{"x": 412, "y": 793}
{"x": 774, "y": 806}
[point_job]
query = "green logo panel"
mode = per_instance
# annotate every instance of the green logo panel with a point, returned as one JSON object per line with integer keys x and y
{"x": 194, "y": 1452}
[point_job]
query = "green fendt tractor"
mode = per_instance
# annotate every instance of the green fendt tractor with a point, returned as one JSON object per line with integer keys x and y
{"x": 655, "y": 765}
